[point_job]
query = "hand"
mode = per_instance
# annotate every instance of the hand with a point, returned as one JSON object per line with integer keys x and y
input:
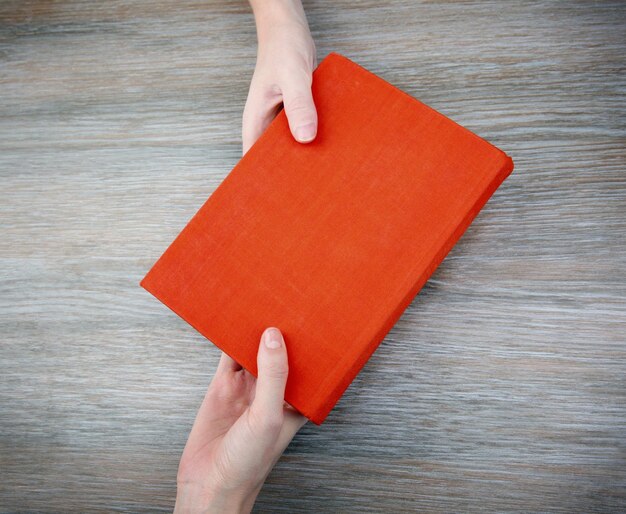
{"x": 283, "y": 73}
{"x": 242, "y": 428}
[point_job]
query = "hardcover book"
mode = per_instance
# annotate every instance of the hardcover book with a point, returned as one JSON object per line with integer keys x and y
{"x": 328, "y": 241}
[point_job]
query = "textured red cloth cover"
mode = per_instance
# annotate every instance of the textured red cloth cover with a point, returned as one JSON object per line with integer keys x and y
{"x": 328, "y": 241}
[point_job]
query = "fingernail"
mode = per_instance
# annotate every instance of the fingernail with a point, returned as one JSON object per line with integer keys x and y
{"x": 273, "y": 338}
{"x": 306, "y": 133}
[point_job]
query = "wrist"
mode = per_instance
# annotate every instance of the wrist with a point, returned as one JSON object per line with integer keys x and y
{"x": 269, "y": 14}
{"x": 193, "y": 500}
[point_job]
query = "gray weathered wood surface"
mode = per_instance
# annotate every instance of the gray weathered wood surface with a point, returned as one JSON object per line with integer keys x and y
{"x": 502, "y": 387}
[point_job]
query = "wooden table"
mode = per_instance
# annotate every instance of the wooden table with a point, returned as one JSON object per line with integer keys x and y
{"x": 502, "y": 387}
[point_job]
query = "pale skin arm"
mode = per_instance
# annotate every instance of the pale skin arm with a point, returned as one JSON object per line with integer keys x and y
{"x": 286, "y": 59}
{"x": 241, "y": 430}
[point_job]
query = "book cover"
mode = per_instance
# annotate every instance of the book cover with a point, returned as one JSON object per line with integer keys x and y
{"x": 328, "y": 241}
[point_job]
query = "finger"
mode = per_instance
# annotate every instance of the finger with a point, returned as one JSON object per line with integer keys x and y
{"x": 300, "y": 108}
{"x": 273, "y": 368}
{"x": 228, "y": 364}
{"x": 260, "y": 109}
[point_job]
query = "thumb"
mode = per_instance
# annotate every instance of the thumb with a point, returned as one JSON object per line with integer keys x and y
{"x": 300, "y": 110}
{"x": 273, "y": 368}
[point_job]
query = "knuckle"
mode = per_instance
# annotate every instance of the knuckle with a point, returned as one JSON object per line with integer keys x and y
{"x": 266, "y": 422}
{"x": 277, "y": 369}
{"x": 273, "y": 423}
{"x": 299, "y": 103}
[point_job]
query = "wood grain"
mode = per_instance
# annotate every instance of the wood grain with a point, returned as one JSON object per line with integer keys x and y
{"x": 502, "y": 387}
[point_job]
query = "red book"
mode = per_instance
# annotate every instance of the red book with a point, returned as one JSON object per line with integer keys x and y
{"x": 328, "y": 241}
